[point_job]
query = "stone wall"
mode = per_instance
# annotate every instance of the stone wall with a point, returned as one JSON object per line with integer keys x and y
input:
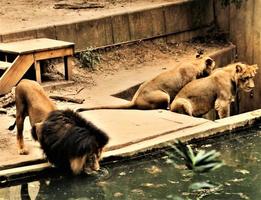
{"x": 178, "y": 21}
{"x": 244, "y": 28}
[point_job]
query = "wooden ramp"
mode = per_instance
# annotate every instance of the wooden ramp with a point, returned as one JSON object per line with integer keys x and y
{"x": 16, "y": 58}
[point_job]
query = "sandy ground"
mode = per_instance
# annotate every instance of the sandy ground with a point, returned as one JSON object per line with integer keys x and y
{"x": 25, "y": 14}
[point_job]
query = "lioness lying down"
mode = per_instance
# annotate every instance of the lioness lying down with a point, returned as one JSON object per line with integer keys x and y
{"x": 215, "y": 91}
{"x": 161, "y": 90}
{"x": 68, "y": 140}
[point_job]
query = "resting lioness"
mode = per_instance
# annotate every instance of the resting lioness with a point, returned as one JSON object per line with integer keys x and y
{"x": 30, "y": 100}
{"x": 161, "y": 90}
{"x": 215, "y": 91}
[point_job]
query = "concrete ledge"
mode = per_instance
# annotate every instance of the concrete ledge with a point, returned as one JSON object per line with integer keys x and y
{"x": 46, "y": 32}
{"x": 153, "y": 21}
{"x": 147, "y": 24}
{"x": 17, "y": 36}
{"x": 208, "y": 129}
{"x": 199, "y": 130}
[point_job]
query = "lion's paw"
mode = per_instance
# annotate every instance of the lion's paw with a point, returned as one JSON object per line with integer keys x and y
{"x": 23, "y": 152}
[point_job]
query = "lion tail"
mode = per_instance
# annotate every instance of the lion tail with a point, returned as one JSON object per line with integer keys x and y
{"x": 182, "y": 105}
{"x": 130, "y": 105}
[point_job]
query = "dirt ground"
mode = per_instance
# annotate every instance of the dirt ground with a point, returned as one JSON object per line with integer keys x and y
{"x": 118, "y": 67}
{"x": 26, "y": 14}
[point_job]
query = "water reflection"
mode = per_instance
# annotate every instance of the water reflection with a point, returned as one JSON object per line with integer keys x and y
{"x": 154, "y": 177}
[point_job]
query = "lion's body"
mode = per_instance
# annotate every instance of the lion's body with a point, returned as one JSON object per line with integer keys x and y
{"x": 158, "y": 92}
{"x": 215, "y": 91}
{"x": 30, "y": 100}
{"x": 68, "y": 140}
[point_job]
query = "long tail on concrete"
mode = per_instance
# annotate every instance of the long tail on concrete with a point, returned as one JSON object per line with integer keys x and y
{"x": 181, "y": 105}
{"x": 130, "y": 105}
{"x": 12, "y": 126}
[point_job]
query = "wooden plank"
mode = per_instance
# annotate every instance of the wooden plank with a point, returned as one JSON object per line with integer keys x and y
{"x": 68, "y": 67}
{"x": 5, "y": 65}
{"x": 34, "y": 45}
{"x": 37, "y": 71}
{"x": 54, "y": 53}
{"x": 13, "y": 75}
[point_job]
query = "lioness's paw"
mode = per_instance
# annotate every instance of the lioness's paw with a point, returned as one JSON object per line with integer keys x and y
{"x": 23, "y": 151}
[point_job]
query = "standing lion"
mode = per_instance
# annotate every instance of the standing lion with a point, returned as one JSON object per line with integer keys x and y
{"x": 69, "y": 141}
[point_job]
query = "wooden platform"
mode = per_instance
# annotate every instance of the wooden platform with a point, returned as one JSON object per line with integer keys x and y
{"x": 16, "y": 58}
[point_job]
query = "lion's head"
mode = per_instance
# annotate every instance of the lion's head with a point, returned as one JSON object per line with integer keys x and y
{"x": 208, "y": 65}
{"x": 70, "y": 142}
{"x": 244, "y": 76}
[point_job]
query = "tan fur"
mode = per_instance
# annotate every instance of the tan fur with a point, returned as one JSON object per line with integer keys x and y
{"x": 30, "y": 100}
{"x": 215, "y": 91}
{"x": 77, "y": 164}
{"x": 89, "y": 164}
{"x": 161, "y": 90}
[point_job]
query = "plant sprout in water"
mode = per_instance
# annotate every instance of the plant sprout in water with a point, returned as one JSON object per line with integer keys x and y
{"x": 198, "y": 162}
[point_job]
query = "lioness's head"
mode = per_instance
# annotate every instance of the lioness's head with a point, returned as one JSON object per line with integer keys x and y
{"x": 208, "y": 66}
{"x": 245, "y": 76}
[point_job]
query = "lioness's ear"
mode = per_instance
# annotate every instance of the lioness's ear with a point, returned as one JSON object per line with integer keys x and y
{"x": 200, "y": 52}
{"x": 239, "y": 68}
{"x": 255, "y": 67}
{"x": 210, "y": 63}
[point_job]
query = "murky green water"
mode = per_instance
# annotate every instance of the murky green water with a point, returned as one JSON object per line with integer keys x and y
{"x": 154, "y": 178}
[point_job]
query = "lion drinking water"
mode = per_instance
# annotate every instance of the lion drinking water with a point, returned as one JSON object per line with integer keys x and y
{"x": 215, "y": 91}
{"x": 68, "y": 140}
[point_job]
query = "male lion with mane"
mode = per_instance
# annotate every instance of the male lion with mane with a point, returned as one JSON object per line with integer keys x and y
{"x": 158, "y": 92}
{"x": 215, "y": 91}
{"x": 68, "y": 140}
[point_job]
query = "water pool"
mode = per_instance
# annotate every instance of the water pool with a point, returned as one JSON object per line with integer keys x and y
{"x": 153, "y": 177}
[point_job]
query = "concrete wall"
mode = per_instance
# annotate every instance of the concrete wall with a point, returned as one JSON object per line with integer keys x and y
{"x": 177, "y": 21}
{"x": 244, "y": 27}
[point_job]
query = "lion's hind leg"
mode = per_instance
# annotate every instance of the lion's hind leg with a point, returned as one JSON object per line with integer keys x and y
{"x": 20, "y": 117}
{"x": 154, "y": 100}
{"x": 181, "y": 105}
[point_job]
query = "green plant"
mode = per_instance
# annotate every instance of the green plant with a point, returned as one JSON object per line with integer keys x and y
{"x": 89, "y": 58}
{"x": 198, "y": 162}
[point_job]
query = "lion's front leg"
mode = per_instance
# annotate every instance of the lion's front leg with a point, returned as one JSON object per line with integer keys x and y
{"x": 223, "y": 108}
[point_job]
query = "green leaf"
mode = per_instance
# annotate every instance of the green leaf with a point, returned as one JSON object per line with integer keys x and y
{"x": 203, "y": 157}
{"x": 199, "y": 162}
{"x": 208, "y": 167}
{"x": 201, "y": 185}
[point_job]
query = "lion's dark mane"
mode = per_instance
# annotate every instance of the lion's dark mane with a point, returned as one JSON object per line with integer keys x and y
{"x": 65, "y": 135}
